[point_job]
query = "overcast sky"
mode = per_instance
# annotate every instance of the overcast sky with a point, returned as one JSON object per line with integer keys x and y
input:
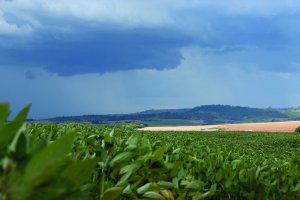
{"x": 74, "y": 57}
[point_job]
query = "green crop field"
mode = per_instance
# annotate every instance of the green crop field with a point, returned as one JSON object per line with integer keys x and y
{"x": 107, "y": 162}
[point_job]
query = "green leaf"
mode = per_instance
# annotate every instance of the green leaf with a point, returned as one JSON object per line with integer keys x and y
{"x": 80, "y": 171}
{"x": 206, "y": 194}
{"x": 182, "y": 196}
{"x": 200, "y": 195}
{"x": 148, "y": 186}
{"x": 112, "y": 194}
{"x": 133, "y": 141}
{"x": 128, "y": 170}
{"x": 112, "y": 133}
{"x": 175, "y": 168}
{"x": 121, "y": 158}
{"x": 48, "y": 160}
{"x": 128, "y": 191}
{"x": 213, "y": 190}
{"x": 21, "y": 147}
{"x": 219, "y": 175}
{"x": 4, "y": 112}
{"x": 176, "y": 151}
{"x": 235, "y": 163}
{"x": 153, "y": 195}
{"x": 165, "y": 184}
{"x": 228, "y": 183}
{"x": 296, "y": 188}
{"x": 243, "y": 176}
{"x": 21, "y": 117}
{"x": 158, "y": 154}
{"x": 196, "y": 185}
{"x": 9, "y": 130}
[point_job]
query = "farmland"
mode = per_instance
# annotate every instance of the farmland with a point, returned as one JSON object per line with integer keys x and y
{"x": 287, "y": 126}
{"x": 116, "y": 161}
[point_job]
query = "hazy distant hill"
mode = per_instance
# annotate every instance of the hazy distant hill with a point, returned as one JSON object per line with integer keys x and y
{"x": 235, "y": 113}
{"x": 158, "y": 111}
{"x": 208, "y": 114}
{"x": 293, "y": 113}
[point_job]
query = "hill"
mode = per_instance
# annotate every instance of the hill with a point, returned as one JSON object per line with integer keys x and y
{"x": 207, "y": 114}
{"x": 293, "y": 113}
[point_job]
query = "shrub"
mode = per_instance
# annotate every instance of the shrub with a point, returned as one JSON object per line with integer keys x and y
{"x": 297, "y": 130}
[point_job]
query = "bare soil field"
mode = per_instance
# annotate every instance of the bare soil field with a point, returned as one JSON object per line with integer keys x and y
{"x": 288, "y": 126}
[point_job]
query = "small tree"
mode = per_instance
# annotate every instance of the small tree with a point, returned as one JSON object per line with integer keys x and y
{"x": 297, "y": 130}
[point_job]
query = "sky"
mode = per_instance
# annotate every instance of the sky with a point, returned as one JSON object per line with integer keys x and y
{"x": 76, "y": 57}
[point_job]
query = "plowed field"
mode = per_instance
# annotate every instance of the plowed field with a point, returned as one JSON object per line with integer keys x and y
{"x": 289, "y": 126}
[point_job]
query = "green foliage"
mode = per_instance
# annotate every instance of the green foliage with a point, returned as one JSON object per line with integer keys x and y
{"x": 184, "y": 165}
{"x": 297, "y": 130}
{"x": 38, "y": 170}
{"x": 85, "y": 161}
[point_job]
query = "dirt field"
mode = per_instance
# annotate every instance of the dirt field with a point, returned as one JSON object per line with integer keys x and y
{"x": 289, "y": 126}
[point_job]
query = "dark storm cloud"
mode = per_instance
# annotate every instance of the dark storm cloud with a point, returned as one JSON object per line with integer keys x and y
{"x": 99, "y": 51}
{"x": 70, "y": 45}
